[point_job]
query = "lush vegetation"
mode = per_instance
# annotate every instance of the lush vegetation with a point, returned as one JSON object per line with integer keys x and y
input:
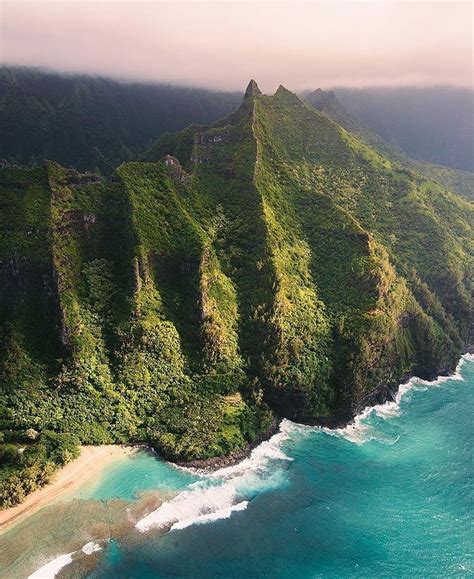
{"x": 269, "y": 265}
{"x": 30, "y": 461}
{"x": 455, "y": 180}
{"x": 93, "y": 123}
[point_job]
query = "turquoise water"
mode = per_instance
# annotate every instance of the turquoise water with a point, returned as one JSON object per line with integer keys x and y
{"x": 390, "y": 496}
{"x": 129, "y": 478}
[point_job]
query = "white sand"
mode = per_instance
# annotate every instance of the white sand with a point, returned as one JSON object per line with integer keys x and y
{"x": 89, "y": 464}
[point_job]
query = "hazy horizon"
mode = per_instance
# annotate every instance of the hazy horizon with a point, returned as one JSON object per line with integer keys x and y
{"x": 222, "y": 45}
{"x": 163, "y": 82}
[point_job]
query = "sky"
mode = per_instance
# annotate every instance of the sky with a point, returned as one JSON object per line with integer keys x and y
{"x": 303, "y": 45}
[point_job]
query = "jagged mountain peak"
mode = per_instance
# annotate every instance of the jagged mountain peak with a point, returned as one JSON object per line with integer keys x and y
{"x": 290, "y": 97}
{"x": 252, "y": 90}
{"x": 319, "y": 92}
{"x": 326, "y": 101}
{"x": 246, "y": 107}
{"x": 282, "y": 90}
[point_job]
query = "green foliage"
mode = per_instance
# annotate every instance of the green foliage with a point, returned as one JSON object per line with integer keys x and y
{"x": 271, "y": 263}
{"x": 16, "y": 485}
{"x": 8, "y": 454}
{"x": 27, "y": 468}
{"x": 455, "y": 180}
{"x": 94, "y": 123}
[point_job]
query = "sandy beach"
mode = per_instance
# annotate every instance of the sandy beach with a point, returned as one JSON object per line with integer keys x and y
{"x": 89, "y": 464}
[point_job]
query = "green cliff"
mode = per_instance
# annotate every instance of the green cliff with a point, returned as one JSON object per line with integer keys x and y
{"x": 269, "y": 265}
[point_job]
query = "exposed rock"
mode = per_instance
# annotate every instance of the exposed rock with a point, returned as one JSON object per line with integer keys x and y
{"x": 252, "y": 90}
{"x": 175, "y": 170}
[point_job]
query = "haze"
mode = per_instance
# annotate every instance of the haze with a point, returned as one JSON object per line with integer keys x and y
{"x": 222, "y": 45}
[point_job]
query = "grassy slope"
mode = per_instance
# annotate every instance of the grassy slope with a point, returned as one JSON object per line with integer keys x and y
{"x": 270, "y": 261}
{"x": 455, "y": 180}
{"x": 373, "y": 232}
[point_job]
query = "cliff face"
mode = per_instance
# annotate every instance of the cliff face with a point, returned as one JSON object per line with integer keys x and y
{"x": 269, "y": 264}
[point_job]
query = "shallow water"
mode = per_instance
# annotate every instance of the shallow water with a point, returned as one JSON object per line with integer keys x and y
{"x": 389, "y": 496}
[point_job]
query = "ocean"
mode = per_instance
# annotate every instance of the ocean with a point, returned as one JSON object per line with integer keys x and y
{"x": 388, "y": 496}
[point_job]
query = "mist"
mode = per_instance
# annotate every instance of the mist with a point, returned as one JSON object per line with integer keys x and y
{"x": 223, "y": 45}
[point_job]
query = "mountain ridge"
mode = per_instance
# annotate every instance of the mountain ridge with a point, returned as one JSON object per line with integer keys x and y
{"x": 269, "y": 265}
{"x": 95, "y": 123}
{"x": 456, "y": 180}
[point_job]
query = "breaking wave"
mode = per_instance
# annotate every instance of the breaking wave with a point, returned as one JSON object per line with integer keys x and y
{"x": 220, "y": 493}
{"x": 52, "y": 568}
{"x": 361, "y": 431}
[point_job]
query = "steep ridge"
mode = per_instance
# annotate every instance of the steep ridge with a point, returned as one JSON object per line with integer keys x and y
{"x": 373, "y": 299}
{"x": 455, "y": 180}
{"x": 270, "y": 265}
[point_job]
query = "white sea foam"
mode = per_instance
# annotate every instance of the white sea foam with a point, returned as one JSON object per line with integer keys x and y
{"x": 190, "y": 506}
{"x": 260, "y": 456}
{"x": 360, "y": 432}
{"x": 357, "y": 431}
{"x": 51, "y": 569}
{"x": 220, "y": 493}
{"x": 91, "y": 547}
{"x": 223, "y": 513}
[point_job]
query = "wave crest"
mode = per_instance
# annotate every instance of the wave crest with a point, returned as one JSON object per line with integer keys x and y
{"x": 220, "y": 493}
{"x": 360, "y": 432}
{"x": 52, "y": 568}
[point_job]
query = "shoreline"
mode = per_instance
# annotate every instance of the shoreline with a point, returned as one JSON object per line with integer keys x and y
{"x": 380, "y": 395}
{"x": 233, "y": 458}
{"x": 90, "y": 463}
{"x": 386, "y": 392}
{"x": 95, "y": 458}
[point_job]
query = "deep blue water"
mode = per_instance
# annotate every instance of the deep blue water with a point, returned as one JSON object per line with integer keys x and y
{"x": 390, "y": 496}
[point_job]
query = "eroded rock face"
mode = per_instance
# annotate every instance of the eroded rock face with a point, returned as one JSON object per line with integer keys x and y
{"x": 205, "y": 142}
{"x": 80, "y": 180}
{"x": 175, "y": 170}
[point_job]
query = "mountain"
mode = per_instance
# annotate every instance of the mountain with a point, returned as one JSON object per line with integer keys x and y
{"x": 269, "y": 265}
{"x": 460, "y": 182}
{"x": 432, "y": 124}
{"x": 94, "y": 123}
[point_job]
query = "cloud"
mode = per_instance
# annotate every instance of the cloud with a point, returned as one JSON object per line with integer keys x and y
{"x": 222, "y": 45}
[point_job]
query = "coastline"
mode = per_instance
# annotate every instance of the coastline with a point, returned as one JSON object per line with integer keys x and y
{"x": 92, "y": 460}
{"x": 233, "y": 458}
{"x": 389, "y": 391}
{"x": 380, "y": 395}
{"x": 204, "y": 503}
